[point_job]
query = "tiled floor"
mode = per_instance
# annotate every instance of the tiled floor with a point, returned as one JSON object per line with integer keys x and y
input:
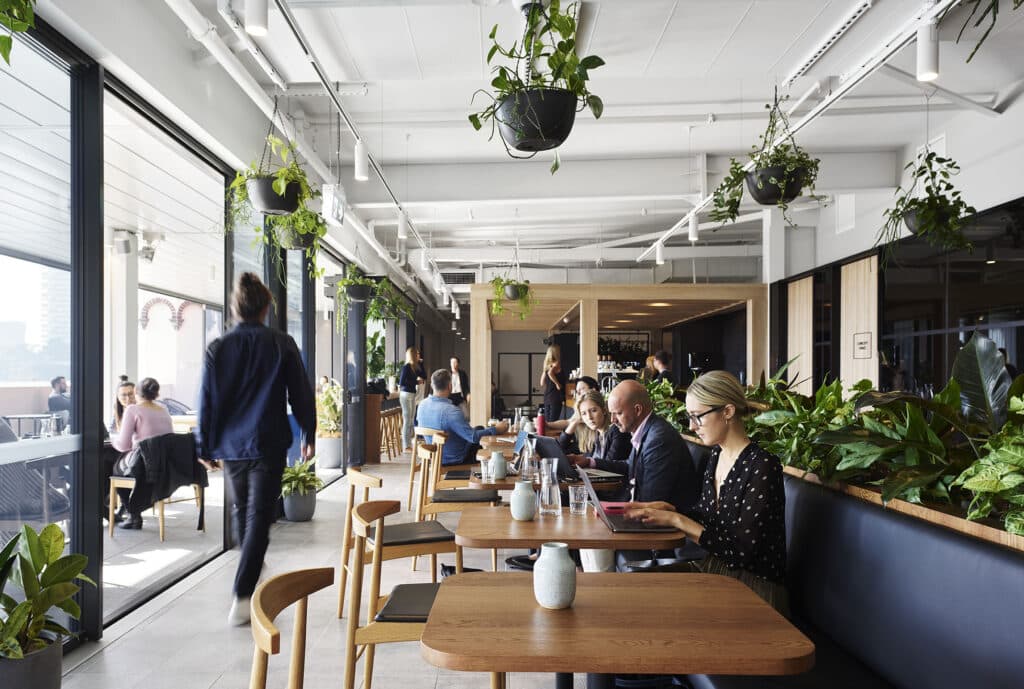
{"x": 181, "y": 639}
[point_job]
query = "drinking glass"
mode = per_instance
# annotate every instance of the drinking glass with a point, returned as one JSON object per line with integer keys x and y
{"x": 486, "y": 471}
{"x": 578, "y": 500}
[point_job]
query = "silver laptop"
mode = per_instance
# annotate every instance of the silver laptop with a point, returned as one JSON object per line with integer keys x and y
{"x": 618, "y": 523}
{"x": 547, "y": 446}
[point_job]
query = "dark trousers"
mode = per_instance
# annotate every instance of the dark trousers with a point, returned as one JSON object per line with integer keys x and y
{"x": 552, "y": 410}
{"x": 255, "y": 485}
{"x": 138, "y": 499}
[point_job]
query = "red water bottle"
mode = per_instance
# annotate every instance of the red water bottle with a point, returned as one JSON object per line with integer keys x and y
{"x": 540, "y": 421}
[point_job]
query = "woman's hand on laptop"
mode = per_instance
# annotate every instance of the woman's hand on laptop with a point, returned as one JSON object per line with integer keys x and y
{"x": 655, "y": 505}
{"x": 579, "y": 460}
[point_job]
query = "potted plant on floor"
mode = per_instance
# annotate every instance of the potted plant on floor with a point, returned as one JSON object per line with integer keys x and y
{"x": 781, "y": 171}
{"x": 536, "y": 98}
{"x": 328, "y": 425}
{"x": 298, "y": 488}
{"x": 30, "y": 636}
{"x": 931, "y": 207}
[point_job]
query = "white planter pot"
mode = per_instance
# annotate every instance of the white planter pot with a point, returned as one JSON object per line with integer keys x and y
{"x": 554, "y": 577}
{"x": 328, "y": 453}
{"x": 523, "y": 501}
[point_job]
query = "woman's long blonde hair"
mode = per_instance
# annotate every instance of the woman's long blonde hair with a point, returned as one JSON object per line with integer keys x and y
{"x": 411, "y": 355}
{"x": 553, "y": 355}
{"x": 585, "y": 437}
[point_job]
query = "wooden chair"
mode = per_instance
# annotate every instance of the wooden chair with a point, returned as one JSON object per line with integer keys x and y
{"x": 400, "y": 616}
{"x": 158, "y": 506}
{"x": 442, "y": 479}
{"x": 270, "y": 598}
{"x": 438, "y": 501}
{"x": 408, "y": 539}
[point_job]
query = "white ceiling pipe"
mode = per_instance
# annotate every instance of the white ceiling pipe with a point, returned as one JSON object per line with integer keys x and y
{"x": 229, "y": 17}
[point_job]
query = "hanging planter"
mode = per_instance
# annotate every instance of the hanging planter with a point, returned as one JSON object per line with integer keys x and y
{"x": 536, "y": 119}
{"x": 781, "y": 171}
{"x": 537, "y": 96}
{"x": 514, "y": 291}
{"x": 266, "y": 200}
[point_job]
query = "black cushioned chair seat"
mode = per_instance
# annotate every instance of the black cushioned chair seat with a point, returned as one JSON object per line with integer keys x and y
{"x": 833, "y": 668}
{"x": 465, "y": 495}
{"x": 408, "y": 603}
{"x": 458, "y": 475}
{"x": 412, "y": 532}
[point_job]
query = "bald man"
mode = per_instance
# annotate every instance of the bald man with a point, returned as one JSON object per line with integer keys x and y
{"x": 659, "y": 465}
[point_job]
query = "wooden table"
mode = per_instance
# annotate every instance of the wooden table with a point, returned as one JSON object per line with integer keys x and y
{"x": 509, "y": 483}
{"x": 494, "y": 527}
{"x": 619, "y": 623}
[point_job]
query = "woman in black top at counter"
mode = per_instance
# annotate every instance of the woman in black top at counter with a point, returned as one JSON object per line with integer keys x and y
{"x": 740, "y": 517}
{"x": 411, "y": 375}
{"x": 552, "y": 382}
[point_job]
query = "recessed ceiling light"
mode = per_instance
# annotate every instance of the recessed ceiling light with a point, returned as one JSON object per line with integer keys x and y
{"x": 659, "y": 303}
{"x": 622, "y": 321}
{"x": 638, "y": 313}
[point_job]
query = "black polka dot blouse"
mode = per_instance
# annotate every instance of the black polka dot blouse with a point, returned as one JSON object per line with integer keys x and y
{"x": 746, "y": 527}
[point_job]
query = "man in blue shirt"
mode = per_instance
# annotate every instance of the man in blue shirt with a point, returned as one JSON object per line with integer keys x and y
{"x": 438, "y": 412}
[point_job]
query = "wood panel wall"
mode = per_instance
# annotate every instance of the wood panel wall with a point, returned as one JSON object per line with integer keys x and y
{"x": 800, "y": 334}
{"x": 858, "y": 339}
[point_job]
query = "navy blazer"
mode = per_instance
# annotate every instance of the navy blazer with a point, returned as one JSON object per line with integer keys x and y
{"x": 662, "y": 468}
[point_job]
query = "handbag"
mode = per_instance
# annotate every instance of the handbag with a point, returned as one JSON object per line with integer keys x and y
{"x": 126, "y": 463}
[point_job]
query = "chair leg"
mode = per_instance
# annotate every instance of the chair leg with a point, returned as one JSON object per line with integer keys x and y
{"x": 113, "y": 507}
{"x": 494, "y": 559}
{"x": 368, "y": 665}
{"x": 458, "y": 559}
{"x": 195, "y": 491}
{"x": 433, "y": 568}
{"x": 498, "y": 680}
{"x": 346, "y": 548}
{"x": 161, "y": 517}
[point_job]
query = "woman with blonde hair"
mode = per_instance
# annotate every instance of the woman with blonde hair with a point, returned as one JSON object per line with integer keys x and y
{"x": 590, "y": 433}
{"x": 740, "y": 517}
{"x": 411, "y": 375}
{"x": 552, "y": 382}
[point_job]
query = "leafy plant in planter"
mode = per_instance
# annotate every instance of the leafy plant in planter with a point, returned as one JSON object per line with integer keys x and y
{"x": 781, "y": 171}
{"x": 535, "y": 100}
{"x": 517, "y": 291}
{"x": 668, "y": 403}
{"x": 16, "y": 16}
{"x": 375, "y": 361}
{"x": 384, "y": 302}
{"x": 281, "y": 195}
{"x": 298, "y": 488}
{"x": 30, "y": 648}
{"x": 329, "y": 406}
{"x": 938, "y": 215}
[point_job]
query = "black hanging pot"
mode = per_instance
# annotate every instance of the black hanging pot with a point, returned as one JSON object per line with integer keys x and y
{"x": 515, "y": 291}
{"x": 536, "y": 119}
{"x": 267, "y": 201}
{"x": 913, "y": 222}
{"x": 358, "y": 292}
{"x": 767, "y": 193}
{"x": 290, "y": 239}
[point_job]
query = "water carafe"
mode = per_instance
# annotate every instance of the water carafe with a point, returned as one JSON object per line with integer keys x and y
{"x": 550, "y": 494}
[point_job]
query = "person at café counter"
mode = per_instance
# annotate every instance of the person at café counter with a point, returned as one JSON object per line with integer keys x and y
{"x": 663, "y": 365}
{"x": 552, "y": 382}
{"x": 740, "y": 517}
{"x": 440, "y": 413}
{"x": 460, "y": 386}
{"x": 659, "y": 464}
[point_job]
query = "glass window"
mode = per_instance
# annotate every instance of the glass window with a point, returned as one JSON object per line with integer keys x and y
{"x": 328, "y": 335}
{"x": 295, "y": 270}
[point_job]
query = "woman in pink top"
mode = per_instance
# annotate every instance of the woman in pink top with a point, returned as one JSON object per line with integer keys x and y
{"x": 140, "y": 421}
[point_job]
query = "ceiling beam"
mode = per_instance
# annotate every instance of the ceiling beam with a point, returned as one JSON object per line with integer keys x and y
{"x": 581, "y": 254}
{"x": 933, "y": 88}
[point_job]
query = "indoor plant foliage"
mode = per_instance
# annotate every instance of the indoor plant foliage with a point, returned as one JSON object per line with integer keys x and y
{"x": 283, "y": 196}
{"x": 298, "y": 488}
{"x": 385, "y": 302}
{"x": 15, "y": 16}
{"x": 329, "y": 404}
{"x": 931, "y": 207}
{"x": 35, "y": 563}
{"x": 781, "y": 171}
{"x": 537, "y": 96}
{"x": 376, "y": 365}
{"x": 991, "y": 11}
{"x": 516, "y": 291}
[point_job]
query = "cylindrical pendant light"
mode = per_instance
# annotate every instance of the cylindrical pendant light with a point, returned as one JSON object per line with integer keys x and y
{"x": 659, "y": 254}
{"x": 256, "y": 15}
{"x": 362, "y": 162}
{"x": 424, "y": 263}
{"x": 403, "y": 225}
{"x": 694, "y": 230}
{"x": 928, "y": 52}
{"x": 454, "y": 327}
{"x": 447, "y": 298}
{"x": 437, "y": 282}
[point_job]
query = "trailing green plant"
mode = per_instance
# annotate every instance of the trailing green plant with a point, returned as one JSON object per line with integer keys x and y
{"x": 301, "y": 224}
{"x": 544, "y": 58}
{"x": 777, "y": 148}
{"x": 36, "y": 564}
{"x": 935, "y": 205}
{"x": 668, "y": 402}
{"x": 299, "y": 479}
{"x": 524, "y": 302}
{"x": 385, "y": 302}
{"x": 375, "y": 361}
{"x": 17, "y": 16}
{"x": 989, "y": 9}
{"x": 329, "y": 404}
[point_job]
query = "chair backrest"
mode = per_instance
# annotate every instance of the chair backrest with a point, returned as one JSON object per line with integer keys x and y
{"x": 357, "y": 478}
{"x": 270, "y": 598}
{"x": 372, "y": 512}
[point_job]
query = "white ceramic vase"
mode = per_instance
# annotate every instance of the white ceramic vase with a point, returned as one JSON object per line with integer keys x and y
{"x": 554, "y": 577}
{"x": 499, "y": 467}
{"x": 523, "y": 501}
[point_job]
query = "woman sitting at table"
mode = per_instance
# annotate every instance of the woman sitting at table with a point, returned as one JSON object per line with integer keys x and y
{"x": 124, "y": 398}
{"x": 591, "y": 436}
{"x": 140, "y": 421}
{"x": 740, "y": 517}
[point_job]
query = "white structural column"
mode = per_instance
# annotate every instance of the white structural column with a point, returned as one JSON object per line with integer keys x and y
{"x": 123, "y": 323}
{"x": 479, "y": 364}
{"x": 588, "y": 337}
{"x": 773, "y": 245}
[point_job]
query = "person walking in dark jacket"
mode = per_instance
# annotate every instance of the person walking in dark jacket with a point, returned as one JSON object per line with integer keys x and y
{"x": 249, "y": 377}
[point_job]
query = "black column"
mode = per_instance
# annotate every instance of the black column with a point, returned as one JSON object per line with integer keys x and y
{"x": 309, "y": 319}
{"x": 355, "y": 376}
{"x": 87, "y": 331}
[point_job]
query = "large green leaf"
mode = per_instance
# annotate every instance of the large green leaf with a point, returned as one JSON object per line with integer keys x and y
{"x": 895, "y": 485}
{"x": 63, "y": 570}
{"x": 7, "y": 561}
{"x": 27, "y": 578}
{"x": 51, "y": 539}
{"x": 32, "y": 548}
{"x": 52, "y": 595}
{"x": 15, "y": 624}
{"x": 1014, "y": 522}
{"x": 984, "y": 383}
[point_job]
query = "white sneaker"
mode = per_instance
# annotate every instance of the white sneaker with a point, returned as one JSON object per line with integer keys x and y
{"x": 239, "y": 614}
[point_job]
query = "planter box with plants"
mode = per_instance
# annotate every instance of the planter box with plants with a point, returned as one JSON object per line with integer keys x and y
{"x": 329, "y": 402}
{"x": 781, "y": 172}
{"x": 536, "y": 97}
{"x": 31, "y": 610}
{"x": 298, "y": 488}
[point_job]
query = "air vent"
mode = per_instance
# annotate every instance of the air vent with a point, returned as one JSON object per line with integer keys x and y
{"x": 859, "y": 9}
{"x": 464, "y": 278}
